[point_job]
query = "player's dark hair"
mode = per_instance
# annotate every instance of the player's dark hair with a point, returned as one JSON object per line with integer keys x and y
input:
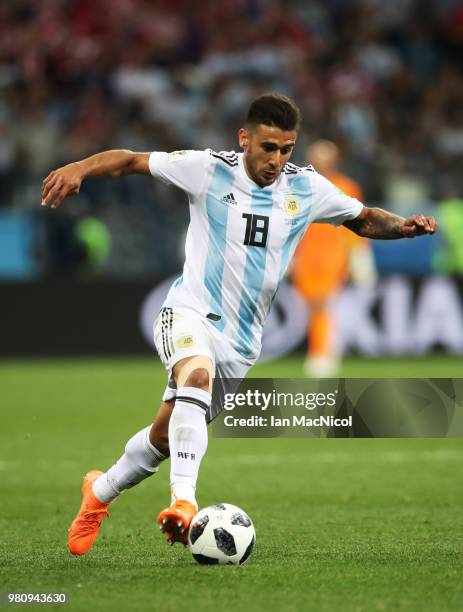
{"x": 274, "y": 110}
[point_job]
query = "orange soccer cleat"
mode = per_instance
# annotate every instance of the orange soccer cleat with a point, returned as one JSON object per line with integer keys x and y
{"x": 175, "y": 520}
{"x": 85, "y": 527}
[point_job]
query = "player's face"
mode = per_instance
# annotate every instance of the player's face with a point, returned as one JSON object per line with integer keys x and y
{"x": 266, "y": 151}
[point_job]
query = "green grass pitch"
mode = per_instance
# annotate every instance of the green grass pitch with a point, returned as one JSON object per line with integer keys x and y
{"x": 341, "y": 524}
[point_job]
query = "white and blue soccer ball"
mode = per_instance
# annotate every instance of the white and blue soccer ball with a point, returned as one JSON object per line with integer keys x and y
{"x": 221, "y": 534}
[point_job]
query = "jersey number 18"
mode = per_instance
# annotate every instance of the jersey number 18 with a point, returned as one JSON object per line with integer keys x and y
{"x": 256, "y": 230}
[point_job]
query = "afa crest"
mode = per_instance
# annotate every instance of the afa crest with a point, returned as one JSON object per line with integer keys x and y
{"x": 185, "y": 341}
{"x": 292, "y": 205}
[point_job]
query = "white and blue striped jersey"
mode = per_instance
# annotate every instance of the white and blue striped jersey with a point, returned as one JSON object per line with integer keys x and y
{"x": 241, "y": 237}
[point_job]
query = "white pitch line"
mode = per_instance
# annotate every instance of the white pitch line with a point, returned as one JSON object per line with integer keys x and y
{"x": 328, "y": 457}
{"x": 274, "y": 459}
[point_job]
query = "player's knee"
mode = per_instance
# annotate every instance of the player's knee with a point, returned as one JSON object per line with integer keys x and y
{"x": 198, "y": 378}
{"x": 196, "y": 372}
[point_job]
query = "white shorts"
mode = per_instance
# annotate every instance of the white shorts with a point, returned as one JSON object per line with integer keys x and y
{"x": 181, "y": 333}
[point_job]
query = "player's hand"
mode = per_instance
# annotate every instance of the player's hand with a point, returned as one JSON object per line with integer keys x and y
{"x": 61, "y": 183}
{"x": 418, "y": 225}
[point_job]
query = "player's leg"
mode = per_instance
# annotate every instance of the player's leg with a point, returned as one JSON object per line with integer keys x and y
{"x": 142, "y": 456}
{"x": 159, "y": 433}
{"x": 146, "y": 449}
{"x": 187, "y": 442}
{"x": 141, "y": 459}
{"x": 321, "y": 360}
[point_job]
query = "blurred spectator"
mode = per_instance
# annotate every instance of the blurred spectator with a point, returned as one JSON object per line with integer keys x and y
{"x": 384, "y": 79}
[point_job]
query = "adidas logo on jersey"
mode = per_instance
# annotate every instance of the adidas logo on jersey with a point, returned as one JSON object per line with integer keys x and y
{"x": 229, "y": 199}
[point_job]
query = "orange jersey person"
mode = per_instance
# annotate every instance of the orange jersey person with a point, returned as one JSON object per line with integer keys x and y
{"x": 322, "y": 264}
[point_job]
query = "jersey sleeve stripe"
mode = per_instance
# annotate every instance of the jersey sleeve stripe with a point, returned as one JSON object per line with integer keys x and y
{"x": 230, "y": 163}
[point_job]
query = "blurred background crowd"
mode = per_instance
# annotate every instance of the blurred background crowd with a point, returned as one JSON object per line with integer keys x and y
{"x": 383, "y": 80}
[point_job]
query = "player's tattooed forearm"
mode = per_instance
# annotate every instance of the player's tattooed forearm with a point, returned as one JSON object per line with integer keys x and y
{"x": 377, "y": 224}
{"x": 381, "y": 224}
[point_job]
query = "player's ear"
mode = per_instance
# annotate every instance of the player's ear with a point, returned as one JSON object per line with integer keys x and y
{"x": 243, "y": 138}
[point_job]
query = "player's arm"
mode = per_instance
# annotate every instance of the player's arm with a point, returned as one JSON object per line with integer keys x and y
{"x": 383, "y": 225}
{"x": 67, "y": 180}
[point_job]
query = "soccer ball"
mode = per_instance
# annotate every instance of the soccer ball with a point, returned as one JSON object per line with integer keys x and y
{"x": 221, "y": 534}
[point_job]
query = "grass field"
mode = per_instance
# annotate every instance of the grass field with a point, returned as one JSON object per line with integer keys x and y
{"x": 341, "y": 524}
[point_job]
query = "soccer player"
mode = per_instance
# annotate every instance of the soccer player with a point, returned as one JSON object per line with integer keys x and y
{"x": 248, "y": 212}
{"x": 322, "y": 263}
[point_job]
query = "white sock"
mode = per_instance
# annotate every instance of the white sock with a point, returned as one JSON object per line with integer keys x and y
{"x": 187, "y": 441}
{"x": 140, "y": 460}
